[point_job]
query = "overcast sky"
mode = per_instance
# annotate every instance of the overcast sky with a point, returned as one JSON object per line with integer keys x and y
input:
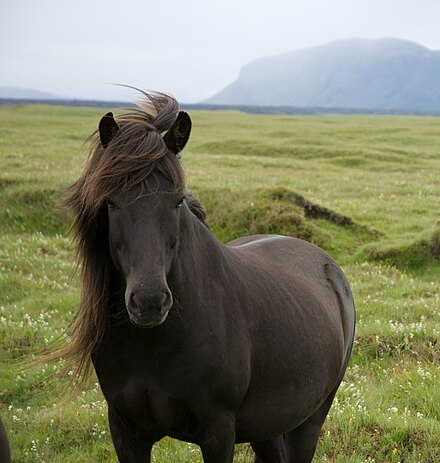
{"x": 190, "y": 48}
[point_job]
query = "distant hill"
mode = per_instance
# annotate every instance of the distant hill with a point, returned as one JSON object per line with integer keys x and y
{"x": 359, "y": 73}
{"x": 25, "y": 93}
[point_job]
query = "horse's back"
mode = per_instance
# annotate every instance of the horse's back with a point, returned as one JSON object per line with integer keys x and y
{"x": 297, "y": 255}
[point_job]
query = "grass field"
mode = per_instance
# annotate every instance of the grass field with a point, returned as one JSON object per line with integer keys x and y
{"x": 254, "y": 174}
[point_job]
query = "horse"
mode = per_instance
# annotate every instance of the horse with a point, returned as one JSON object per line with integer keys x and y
{"x": 209, "y": 343}
{"x": 5, "y": 453}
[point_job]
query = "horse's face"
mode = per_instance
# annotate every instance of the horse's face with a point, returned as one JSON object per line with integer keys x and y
{"x": 144, "y": 239}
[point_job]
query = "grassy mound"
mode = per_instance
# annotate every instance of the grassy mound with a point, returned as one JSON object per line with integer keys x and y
{"x": 416, "y": 254}
{"x": 282, "y": 211}
{"x": 30, "y": 208}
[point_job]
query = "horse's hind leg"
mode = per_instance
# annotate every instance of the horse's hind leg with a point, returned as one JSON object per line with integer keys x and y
{"x": 270, "y": 451}
{"x": 301, "y": 442}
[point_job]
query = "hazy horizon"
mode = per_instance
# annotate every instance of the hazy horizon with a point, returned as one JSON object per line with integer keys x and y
{"x": 191, "y": 50}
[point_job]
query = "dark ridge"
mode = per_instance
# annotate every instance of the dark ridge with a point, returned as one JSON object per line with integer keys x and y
{"x": 311, "y": 111}
{"x": 66, "y": 102}
{"x": 248, "y": 109}
{"x": 313, "y": 210}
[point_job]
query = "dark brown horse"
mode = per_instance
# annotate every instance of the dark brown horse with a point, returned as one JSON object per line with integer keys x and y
{"x": 191, "y": 338}
{"x": 5, "y": 455}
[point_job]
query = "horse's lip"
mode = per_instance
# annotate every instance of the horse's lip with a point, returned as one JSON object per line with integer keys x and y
{"x": 145, "y": 321}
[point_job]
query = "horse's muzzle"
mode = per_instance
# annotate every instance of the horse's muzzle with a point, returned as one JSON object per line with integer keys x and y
{"x": 148, "y": 310}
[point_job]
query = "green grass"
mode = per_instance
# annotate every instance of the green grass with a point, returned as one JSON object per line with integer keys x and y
{"x": 248, "y": 171}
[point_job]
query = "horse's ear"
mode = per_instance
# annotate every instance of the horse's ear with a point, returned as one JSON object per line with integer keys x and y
{"x": 108, "y": 128}
{"x": 178, "y": 134}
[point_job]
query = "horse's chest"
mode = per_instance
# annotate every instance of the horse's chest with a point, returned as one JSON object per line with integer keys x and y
{"x": 154, "y": 410}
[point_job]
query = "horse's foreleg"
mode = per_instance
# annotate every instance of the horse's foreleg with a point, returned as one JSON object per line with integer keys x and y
{"x": 218, "y": 440}
{"x": 130, "y": 446}
{"x": 270, "y": 451}
{"x": 5, "y": 454}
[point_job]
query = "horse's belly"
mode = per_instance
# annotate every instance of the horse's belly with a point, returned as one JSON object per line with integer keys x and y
{"x": 287, "y": 384}
{"x": 260, "y": 420}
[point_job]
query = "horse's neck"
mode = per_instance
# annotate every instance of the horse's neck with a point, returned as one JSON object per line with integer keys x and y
{"x": 202, "y": 258}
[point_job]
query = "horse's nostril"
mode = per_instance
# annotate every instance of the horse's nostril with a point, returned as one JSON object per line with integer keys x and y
{"x": 167, "y": 297}
{"x": 136, "y": 303}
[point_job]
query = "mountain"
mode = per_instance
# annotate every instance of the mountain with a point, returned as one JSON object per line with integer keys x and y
{"x": 26, "y": 93}
{"x": 358, "y": 73}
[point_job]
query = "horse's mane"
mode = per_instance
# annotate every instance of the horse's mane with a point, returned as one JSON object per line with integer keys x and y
{"x": 135, "y": 151}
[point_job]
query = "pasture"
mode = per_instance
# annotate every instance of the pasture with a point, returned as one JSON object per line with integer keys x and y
{"x": 364, "y": 188}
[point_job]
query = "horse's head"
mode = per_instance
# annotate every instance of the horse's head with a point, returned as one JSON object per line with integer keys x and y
{"x": 143, "y": 240}
{"x": 144, "y": 220}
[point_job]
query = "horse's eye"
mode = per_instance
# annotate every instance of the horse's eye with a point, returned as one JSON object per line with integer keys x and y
{"x": 180, "y": 202}
{"x": 110, "y": 203}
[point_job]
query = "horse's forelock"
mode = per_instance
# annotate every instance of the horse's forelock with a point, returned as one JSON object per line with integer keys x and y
{"x": 159, "y": 110}
{"x": 165, "y": 109}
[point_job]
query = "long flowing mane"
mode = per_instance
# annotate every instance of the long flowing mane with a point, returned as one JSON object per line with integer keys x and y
{"x": 137, "y": 149}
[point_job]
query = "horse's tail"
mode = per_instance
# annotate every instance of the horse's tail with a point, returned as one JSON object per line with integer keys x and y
{"x": 5, "y": 453}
